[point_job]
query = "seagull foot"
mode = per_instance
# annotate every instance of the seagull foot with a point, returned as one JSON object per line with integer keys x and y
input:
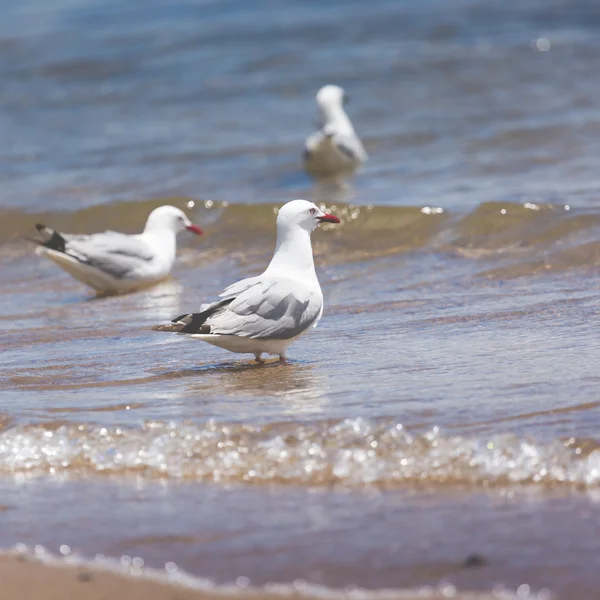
{"x": 258, "y": 359}
{"x": 282, "y": 359}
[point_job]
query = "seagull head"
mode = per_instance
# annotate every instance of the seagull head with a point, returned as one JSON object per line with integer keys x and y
{"x": 331, "y": 95}
{"x": 172, "y": 219}
{"x": 303, "y": 214}
{"x": 330, "y": 100}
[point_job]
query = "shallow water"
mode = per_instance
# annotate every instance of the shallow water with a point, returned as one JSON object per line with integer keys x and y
{"x": 447, "y": 402}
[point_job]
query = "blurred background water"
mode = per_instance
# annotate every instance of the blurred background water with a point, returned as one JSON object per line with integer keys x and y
{"x": 458, "y": 349}
{"x": 477, "y": 101}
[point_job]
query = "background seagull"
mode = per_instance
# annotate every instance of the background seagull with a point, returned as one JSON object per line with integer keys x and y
{"x": 115, "y": 263}
{"x": 334, "y": 151}
{"x": 265, "y": 314}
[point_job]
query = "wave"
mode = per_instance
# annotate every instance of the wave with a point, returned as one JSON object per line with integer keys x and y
{"x": 538, "y": 236}
{"x": 350, "y": 452}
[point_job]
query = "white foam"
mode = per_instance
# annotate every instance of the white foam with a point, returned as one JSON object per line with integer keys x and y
{"x": 352, "y": 452}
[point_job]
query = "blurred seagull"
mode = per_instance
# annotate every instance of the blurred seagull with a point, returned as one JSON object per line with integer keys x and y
{"x": 116, "y": 263}
{"x": 334, "y": 151}
{"x": 265, "y": 314}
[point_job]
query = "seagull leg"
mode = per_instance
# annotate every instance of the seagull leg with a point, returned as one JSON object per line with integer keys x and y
{"x": 257, "y": 357}
{"x": 282, "y": 359}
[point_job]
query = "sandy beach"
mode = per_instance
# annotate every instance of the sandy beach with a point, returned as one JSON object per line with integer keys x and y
{"x": 24, "y": 578}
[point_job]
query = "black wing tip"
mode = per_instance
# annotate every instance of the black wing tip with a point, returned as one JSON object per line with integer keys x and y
{"x": 51, "y": 238}
{"x": 189, "y": 323}
{"x": 193, "y": 323}
{"x": 180, "y": 318}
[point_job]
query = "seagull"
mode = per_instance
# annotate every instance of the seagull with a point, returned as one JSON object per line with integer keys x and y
{"x": 335, "y": 151}
{"x": 116, "y": 263}
{"x": 265, "y": 314}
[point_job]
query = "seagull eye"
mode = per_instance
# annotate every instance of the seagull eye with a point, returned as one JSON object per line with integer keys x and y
{"x": 312, "y": 211}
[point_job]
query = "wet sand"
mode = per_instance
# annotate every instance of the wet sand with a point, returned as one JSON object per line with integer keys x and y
{"x": 523, "y": 538}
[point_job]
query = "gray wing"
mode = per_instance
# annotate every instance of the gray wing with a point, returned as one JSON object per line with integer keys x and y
{"x": 351, "y": 146}
{"x": 267, "y": 308}
{"x": 231, "y": 291}
{"x": 114, "y": 253}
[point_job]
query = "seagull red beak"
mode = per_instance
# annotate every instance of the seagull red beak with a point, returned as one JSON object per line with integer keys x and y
{"x": 327, "y": 218}
{"x": 194, "y": 228}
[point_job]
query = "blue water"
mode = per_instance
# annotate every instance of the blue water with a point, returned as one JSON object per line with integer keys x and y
{"x": 105, "y": 101}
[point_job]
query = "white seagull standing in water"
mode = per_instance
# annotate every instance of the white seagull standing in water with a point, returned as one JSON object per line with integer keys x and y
{"x": 335, "y": 151}
{"x": 116, "y": 263}
{"x": 265, "y": 314}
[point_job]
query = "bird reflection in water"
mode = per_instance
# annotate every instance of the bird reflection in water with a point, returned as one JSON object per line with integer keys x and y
{"x": 296, "y": 388}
